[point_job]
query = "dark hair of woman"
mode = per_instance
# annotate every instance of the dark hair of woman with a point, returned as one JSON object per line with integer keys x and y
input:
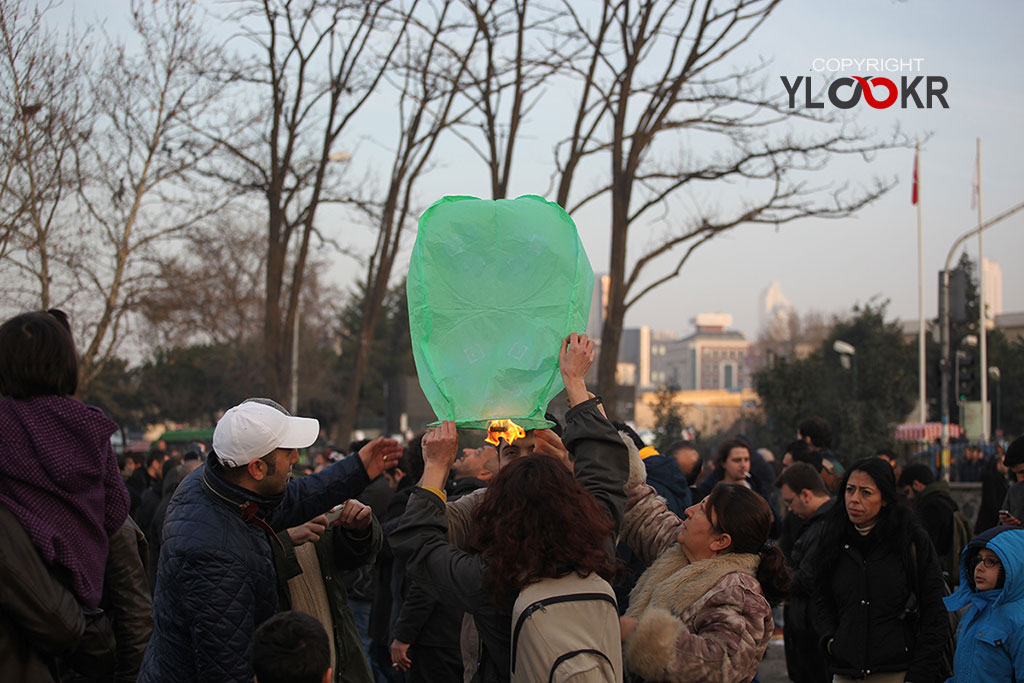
{"x": 535, "y": 522}
{"x": 723, "y": 452}
{"x": 411, "y": 461}
{"x": 746, "y": 517}
{"x": 37, "y": 356}
{"x": 894, "y": 526}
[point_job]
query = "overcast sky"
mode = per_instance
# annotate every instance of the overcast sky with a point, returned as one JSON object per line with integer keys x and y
{"x": 829, "y": 266}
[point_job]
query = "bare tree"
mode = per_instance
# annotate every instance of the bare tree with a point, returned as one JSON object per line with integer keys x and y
{"x": 210, "y": 291}
{"x": 140, "y": 191}
{"x": 426, "y": 78}
{"x": 657, "y": 84}
{"x": 210, "y": 294}
{"x": 317, "y": 64}
{"x": 45, "y": 114}
{"x": 504, "y": 78}
{"x": 121, "y": 152}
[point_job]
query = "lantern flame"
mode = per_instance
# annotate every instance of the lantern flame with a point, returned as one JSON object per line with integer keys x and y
{"x": 503, "y": 429}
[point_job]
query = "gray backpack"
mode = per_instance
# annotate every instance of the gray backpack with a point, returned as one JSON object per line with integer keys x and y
{"x": 566, "y": 630}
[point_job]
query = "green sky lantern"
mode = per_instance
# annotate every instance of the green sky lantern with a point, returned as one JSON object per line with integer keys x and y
{"x": 494, "y": 285}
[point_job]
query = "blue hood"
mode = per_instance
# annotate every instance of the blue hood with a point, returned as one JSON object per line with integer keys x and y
{"x": 1008, "y": 544}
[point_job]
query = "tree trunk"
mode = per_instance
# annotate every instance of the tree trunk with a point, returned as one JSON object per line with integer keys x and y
{"x": 611, "y": 332}
{"x": 350, "y": 408}
{"x": 273, "y": 341}
{"x": 376, "y": 290}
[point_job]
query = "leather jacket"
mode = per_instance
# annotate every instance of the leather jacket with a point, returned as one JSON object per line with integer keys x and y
{"x": 42, "y": 625}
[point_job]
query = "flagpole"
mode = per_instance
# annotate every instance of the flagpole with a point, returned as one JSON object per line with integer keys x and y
{"x": 922, "y": 399}
{"x": 982, "y": 318}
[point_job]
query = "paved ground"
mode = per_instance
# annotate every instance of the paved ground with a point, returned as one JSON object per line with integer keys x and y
{"x": 773, "y": 667}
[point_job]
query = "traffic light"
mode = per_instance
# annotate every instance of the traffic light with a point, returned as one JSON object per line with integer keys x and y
{"x": 967, "y": 382}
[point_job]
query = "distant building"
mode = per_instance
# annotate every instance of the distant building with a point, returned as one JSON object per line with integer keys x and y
{"x": 708, "y": 412}
{"x": 774, "y": 310}
{"x": 598, "y": 307}
{"x": 713, "y": 357}
{"x": 634, "y": 366}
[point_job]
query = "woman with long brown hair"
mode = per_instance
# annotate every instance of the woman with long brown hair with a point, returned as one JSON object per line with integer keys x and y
{"x": 536, "y": 521}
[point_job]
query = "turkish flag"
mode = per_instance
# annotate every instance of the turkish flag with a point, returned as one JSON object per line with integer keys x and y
{"x": 913, "y": 193}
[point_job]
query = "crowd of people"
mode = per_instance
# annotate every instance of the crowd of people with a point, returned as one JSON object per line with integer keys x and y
{"x": 574, "y": 553}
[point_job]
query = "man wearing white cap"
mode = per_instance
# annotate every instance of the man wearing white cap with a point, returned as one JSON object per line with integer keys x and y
{"x": 215, "y": 580}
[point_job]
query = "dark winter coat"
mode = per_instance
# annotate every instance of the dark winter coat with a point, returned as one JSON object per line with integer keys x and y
{"x": 668, "y": 480}
{"x": 861, "y": 603}
{"x": 802, "y": 561}
{"x": 422, "y": 620}
{"x": 216, "y": 581}
{"x": 934, "y": 507}
{"x": 40, "y": 619}
{"x": 804, "y": 661}
{"x": 127, "y": 602}
{"x": 994, "y": 486}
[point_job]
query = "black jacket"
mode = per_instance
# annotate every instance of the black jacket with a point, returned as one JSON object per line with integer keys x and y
{"x": 127, "y": 602}
{"x": 40, "y": 619}
{"x": 994, "y": 486}
{"x": 934, "y": 507}
{"x": 861, "y": 605}
{"x": 802, "y": 561}
{"x": 422, "y": 620}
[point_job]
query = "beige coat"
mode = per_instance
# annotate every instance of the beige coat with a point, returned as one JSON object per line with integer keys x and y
{"x": 702, "y": 621}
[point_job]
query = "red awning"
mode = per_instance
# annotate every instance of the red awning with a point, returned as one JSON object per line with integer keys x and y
{"x": 924, "y": 431}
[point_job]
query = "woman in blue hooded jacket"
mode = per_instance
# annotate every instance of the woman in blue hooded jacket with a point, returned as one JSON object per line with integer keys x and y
{"x": 990, "y": 646}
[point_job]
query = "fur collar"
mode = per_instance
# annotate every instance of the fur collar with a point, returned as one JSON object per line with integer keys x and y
{"x": 674, "y": 584}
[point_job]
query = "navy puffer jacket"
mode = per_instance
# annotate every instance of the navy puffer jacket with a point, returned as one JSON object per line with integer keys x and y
{"x": 216, "y": 582}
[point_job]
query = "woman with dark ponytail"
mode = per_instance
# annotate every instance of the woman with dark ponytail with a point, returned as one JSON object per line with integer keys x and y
{"x": 878, "y": 593}
{"x": 701, "y": 610}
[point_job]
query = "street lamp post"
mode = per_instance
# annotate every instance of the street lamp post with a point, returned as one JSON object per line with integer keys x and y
{"x": 338, "y": 157}
{"x": 848, "y": 357}
{"x": 944, "y": 330}
{"x": 993, "y": 373}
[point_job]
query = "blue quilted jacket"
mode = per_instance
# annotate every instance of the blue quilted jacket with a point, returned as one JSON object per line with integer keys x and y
{"x": 215, "y": 580}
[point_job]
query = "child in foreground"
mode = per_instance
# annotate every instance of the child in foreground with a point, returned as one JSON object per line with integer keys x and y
{"x": 990, "y": 643}
{"x": 291, "y": 647}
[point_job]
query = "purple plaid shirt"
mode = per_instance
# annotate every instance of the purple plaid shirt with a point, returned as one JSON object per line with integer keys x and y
{"x": 59, "y": 478}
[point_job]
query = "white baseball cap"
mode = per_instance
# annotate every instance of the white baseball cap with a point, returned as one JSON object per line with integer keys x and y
{"x": 254, "y": 429}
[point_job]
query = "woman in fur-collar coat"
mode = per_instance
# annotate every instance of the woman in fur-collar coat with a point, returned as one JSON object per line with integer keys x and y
{"x": 701, "y": 610}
